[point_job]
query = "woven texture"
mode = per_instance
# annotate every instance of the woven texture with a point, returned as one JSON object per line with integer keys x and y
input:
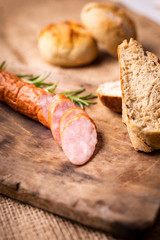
{"x": 20, "y": 221}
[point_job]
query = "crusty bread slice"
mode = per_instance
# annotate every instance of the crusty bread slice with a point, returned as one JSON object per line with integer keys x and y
{"x": 110, "y": 95}
{"x": 140, "y": 84}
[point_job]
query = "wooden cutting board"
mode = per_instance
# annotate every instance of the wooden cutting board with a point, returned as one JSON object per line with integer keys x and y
{"x": 118, "y": 190}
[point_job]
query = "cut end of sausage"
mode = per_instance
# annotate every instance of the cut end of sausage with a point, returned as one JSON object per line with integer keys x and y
{"x": 45, "y": 101}
{"x": 68, "y": 114}
{"x": 57, "y": 108}
{"x": 79, "y": 139}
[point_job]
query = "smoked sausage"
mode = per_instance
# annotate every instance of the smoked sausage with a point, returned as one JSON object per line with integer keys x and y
{"x": 24, "y": 97}
{"x": 58, "y": 107}
{"x": 79, "y": 139}
{"x": 71, "y": 127}
{"x": 68, "y": 114}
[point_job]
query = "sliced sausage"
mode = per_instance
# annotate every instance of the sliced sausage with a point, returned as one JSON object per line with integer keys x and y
{"x": 28, "y": 103}
{"x": 58, "y": 107}
{"x": 44, "y": 101}
{"x": 69, "y": 113}
{"x": 24, "y": 97}
{"x": 79, "y": 139}
{"x": 78, "y": 135}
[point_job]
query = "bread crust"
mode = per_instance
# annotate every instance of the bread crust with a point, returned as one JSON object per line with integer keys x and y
{"x": 112, "y": 102}
{"x": 138, "y": 143}
{"x": 109, "y": 24}
{"x": 142, "y": 140}
{"x": 108, "y": 98}
{"x": 67, "y": 44}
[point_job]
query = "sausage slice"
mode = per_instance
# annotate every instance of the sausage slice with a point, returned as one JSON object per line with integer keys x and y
{"x": 45, "y": 101}
{"x": 68, "y": 114}
{"x": 79, "y": 139}
{"x": 58, "y": 107}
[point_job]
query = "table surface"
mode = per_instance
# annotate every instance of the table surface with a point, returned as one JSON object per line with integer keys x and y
{"x": 21, "y": 221}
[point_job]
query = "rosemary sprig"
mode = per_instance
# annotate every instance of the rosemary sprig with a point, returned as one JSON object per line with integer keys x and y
{"x": 25, "y": 76}
{"x": 73, "y": 93}
{"x": 3, "y": 65}
{"x": 82, "y": 101}
{"x": 51, "y": 88}
{"x": 38, "y": 81}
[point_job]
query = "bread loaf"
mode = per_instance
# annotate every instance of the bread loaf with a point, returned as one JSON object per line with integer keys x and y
{"x": 67, "y": 44}
{"x": 140, "y": 83}
{"x": 109, "y": 24}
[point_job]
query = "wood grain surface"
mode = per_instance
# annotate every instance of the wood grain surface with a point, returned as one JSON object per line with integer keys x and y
{"x": 118, "y": 189}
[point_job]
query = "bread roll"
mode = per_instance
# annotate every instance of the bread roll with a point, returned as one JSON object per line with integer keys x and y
{"x": 67, "y": 44}
{"x": 108, "y": 24}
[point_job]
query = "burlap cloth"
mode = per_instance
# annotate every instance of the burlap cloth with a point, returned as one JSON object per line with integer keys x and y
{"x": 20, "y": 221}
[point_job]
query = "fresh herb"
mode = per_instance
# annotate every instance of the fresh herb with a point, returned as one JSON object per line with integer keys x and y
{"x": 3, "y": 65}
{"x": 38, "y": 81}
{"x": 80, "y": 100}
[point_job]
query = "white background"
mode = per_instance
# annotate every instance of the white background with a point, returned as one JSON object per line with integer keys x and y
{"x": 149, "y": 8}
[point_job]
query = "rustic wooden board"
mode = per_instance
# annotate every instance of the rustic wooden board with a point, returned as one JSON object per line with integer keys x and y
{"x": 119, "y": 189}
